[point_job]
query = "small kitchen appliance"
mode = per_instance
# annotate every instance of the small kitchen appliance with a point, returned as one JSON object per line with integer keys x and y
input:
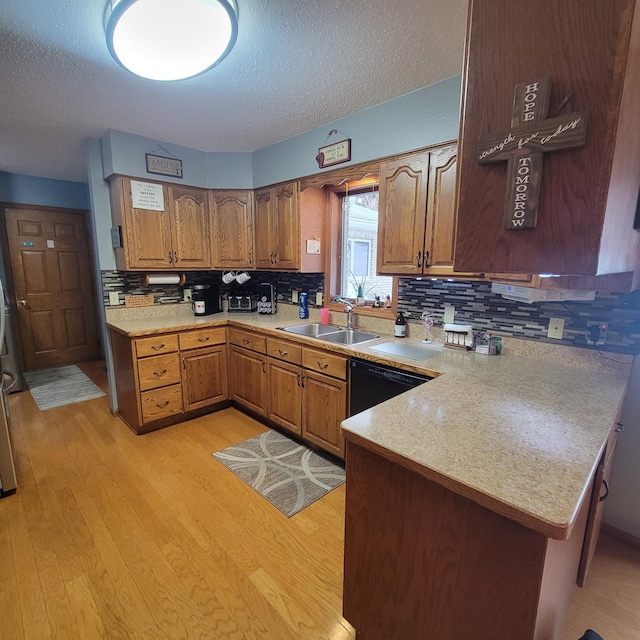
{"x": 245, "y": 303}
{"x": 266, "y": 298}
{"x": 205, "y": 299}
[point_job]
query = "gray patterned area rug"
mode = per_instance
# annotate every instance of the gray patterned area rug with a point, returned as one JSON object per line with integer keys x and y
{"x": 288, "y": 474}
{"x": 59, "y": 386}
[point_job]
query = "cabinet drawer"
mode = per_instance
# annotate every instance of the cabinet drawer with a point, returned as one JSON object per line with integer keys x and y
{"x": 248, "y": 340}
{"x": 201, "y": 338}
{"x": 158, "y": 371}
{"x": 161, "y": 403}
{"x": 156, "y": 345}
{"x": 328, "y": 363}
{"x": 284, "y": 351}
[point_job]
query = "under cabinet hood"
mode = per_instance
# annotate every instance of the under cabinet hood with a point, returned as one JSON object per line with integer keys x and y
{"x": 529, "y": 295}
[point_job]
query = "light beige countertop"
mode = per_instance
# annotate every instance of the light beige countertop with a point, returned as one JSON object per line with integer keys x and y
{"x": 520, "y": 433}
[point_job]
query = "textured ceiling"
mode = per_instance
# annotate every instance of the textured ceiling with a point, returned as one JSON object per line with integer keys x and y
{"x": 297, "y": 64}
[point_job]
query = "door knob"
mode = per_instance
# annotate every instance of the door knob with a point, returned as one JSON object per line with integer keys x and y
{"x": 23, "y": 302}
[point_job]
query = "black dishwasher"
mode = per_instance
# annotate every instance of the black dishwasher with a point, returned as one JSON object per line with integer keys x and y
{"x": 372, "y": 384}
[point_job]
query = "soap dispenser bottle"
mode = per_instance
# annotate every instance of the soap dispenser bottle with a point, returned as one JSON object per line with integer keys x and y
{"x": 304, "y": 306}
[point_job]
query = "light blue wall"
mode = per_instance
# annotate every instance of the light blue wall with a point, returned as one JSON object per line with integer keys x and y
{"x": 418, "y": 119}
{"x": 20, "y": 189}
{"x": 229, "y": 171}
{"x": 124, "y": 154}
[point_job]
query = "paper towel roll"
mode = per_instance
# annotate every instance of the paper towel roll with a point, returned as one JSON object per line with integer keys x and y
{"x": 164, "y": 278}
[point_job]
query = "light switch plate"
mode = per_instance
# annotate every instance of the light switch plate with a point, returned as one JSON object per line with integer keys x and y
{"x": 113, "y": 298}
{"x": 556, "y": 328}
{"x": 318, "y": 299}
{"x": 294, "y": 296}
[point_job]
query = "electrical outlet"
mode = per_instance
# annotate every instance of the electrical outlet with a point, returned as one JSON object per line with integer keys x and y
{"x": 113, "y": 298}
{"x": 449, "y": 314}
{"x": 294, "y": 296}
{"x": 318, "y": 299}
{"x": 596, "y": 333}
{"x": 186, "y": 295}
{"x": 556, "y": 328}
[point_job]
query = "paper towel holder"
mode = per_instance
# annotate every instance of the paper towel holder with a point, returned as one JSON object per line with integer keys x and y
{"x": 151, "y": 279}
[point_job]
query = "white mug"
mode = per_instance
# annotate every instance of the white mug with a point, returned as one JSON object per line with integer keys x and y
{"x": 228, "y": 277}
{"x": 243, "y": 277}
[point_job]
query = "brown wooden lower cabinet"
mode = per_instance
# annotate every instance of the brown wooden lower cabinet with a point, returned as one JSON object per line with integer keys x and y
{"x": 162, "y": 378}
{"x": 285, "y": 395}
{"x": 204, "y": 379}
{"x": 324, "y": 407}
{"x": 248, "y": 379}
{"x": 425, "y": 563}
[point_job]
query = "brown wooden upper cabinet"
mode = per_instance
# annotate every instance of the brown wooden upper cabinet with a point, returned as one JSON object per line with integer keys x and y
{"x": 232, "y": 229}
{"x": 588, "y": 195}
{"x": 174, "y": 234}
{"x": 286, "y": 220}
{"x": 417, "y": 215}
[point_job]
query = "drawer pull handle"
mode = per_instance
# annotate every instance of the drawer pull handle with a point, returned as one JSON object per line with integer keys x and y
{"x": 157, "y": 347}
{"x": 282, "y": 352}
{"x": 606, "y": 490}
{"x": 322, "y": 365}
{"x": 205, "y": 339}
{"x": 619, "y": 427}
{"x": 160, "y": 373}
{"x": 162, "y": 405}
{"x": 245, "y": 341}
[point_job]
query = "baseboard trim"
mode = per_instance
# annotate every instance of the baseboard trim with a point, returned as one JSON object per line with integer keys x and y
{"x": 620, "y": 535}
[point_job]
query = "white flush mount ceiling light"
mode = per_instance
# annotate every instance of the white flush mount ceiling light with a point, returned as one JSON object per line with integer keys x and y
{"x": 170, "y": 39}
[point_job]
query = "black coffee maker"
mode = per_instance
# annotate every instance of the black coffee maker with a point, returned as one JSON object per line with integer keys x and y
{"x": 205, "y": 299}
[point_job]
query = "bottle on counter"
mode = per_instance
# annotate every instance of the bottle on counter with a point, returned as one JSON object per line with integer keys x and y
{"x": 304, "y": 306}
{"x": 400, "y": 328}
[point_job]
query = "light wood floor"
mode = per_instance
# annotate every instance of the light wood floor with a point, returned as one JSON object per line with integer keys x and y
{"x": 122, "y": 536}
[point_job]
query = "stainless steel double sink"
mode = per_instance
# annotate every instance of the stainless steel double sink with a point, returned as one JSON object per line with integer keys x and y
{"x": 330, "y": 333}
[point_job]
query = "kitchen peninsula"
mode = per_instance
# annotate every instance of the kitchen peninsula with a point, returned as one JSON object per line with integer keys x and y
{"x": 468, "y": 498}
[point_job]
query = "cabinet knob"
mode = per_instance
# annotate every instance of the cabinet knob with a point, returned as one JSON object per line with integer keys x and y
{"x": 619, "y": 427}
{"x": 426, "y": 259}
{"x": 170, "y": 258}
{"x": 162, "y": 405}
{"x": 282, "y": 352}
{"x": 418, "y": 260}
{"x": 322, "y": 365}
{"x": 175, "y": 257}
{"x": 159, "y": 373}
{"x": 157, "y": 347}
{"x": 245, "y": 341}
{"x": 203, "y": 339}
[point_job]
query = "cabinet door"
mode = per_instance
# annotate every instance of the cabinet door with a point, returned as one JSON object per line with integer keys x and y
{"x": 265, "y": 250}
{"x": 441, "y": 212}
{"x": 190, "y": 228}
{"x": 146, "y": 234}
{"x": 248, "y": 378}
{"x": 285, "y": 394}
{"x": 232, "y": 229}
{"x": 596, "y": 508}
{"x": 204, "y": 377}
{"x": 402, "y": 214}
{"x": 286, "y": 226}
{"x": 324, "y": 407}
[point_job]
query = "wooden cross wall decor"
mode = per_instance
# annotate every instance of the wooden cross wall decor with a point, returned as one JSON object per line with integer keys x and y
{"x": 531, "y": 135}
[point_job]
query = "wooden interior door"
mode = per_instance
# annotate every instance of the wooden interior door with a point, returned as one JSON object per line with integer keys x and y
{"x": 52, "y": 275}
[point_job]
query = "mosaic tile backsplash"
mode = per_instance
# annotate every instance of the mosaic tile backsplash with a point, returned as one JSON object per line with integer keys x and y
{"x": 474, "y": 304}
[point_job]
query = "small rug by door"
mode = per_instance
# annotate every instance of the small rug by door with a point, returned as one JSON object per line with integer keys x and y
{"x": 288, "y": 474}
{"x": 59, "y": 386}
